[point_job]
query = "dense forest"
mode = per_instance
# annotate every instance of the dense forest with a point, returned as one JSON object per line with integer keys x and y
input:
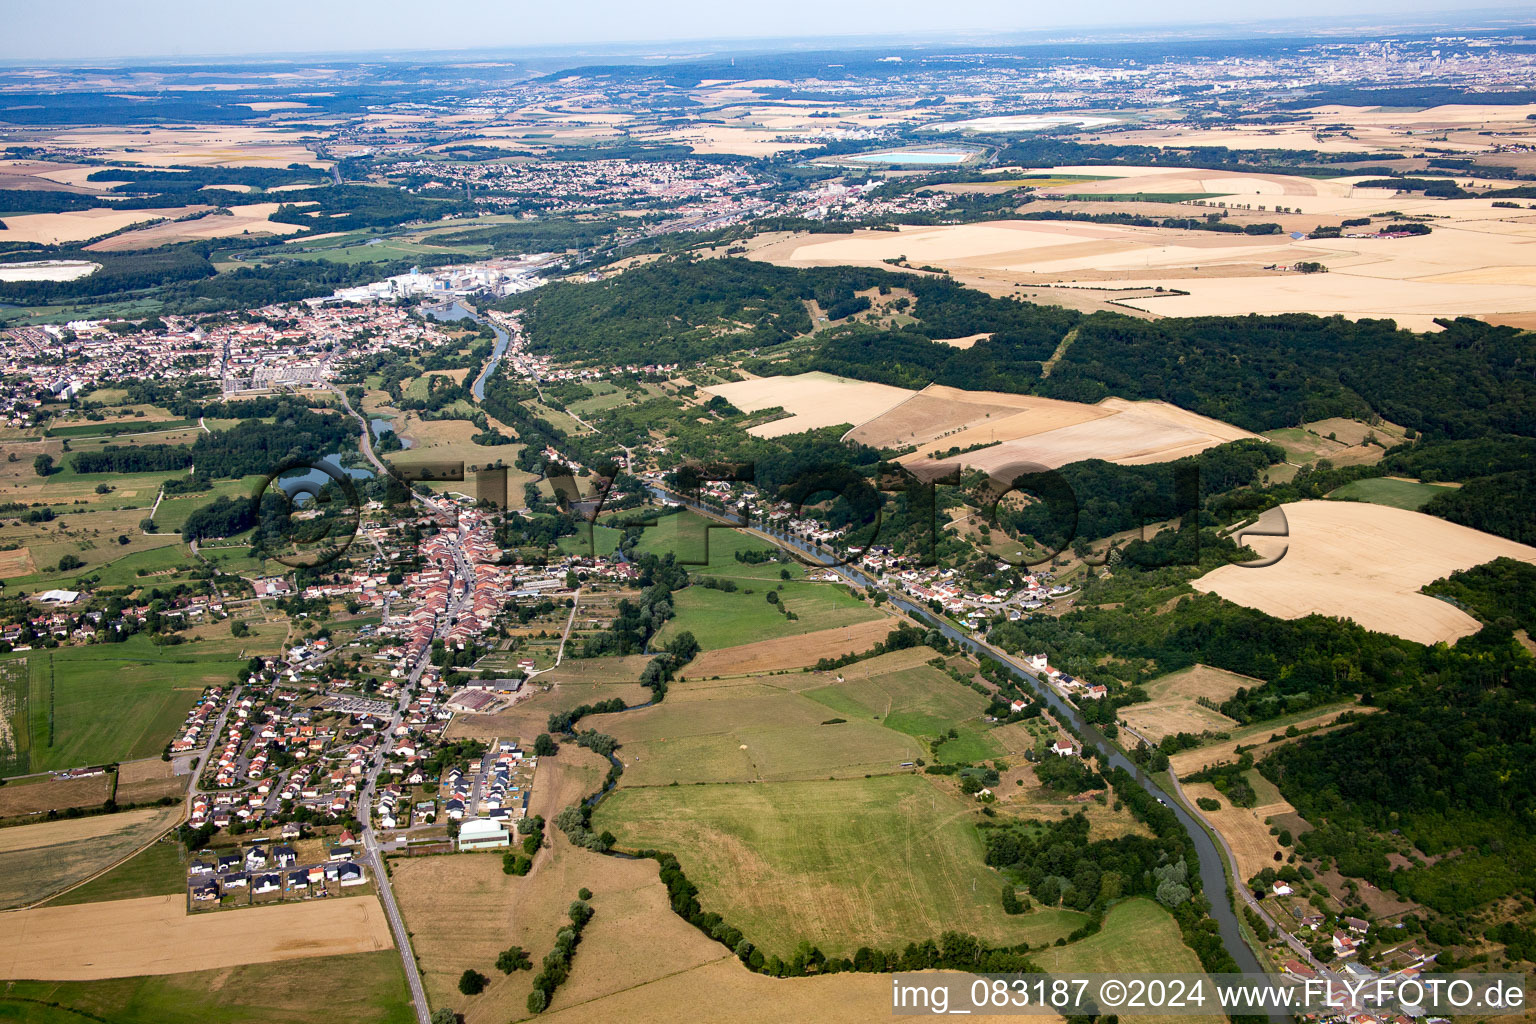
{"x": 1060, "y": 865}
{"x": 681, "y": 310}
{"x": 1450, "y": 763}
{"x": 1262, "y": 372}
{"x": 254, "y": 446}
{"x": 147, "y": 458}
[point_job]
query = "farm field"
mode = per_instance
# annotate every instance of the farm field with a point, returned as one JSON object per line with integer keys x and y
{"x": 812, "y": 400}
{"x": 1040, "y": 431}
{"x": 1406, "y": 494}
{"x": 845, "y": 863}
{"x": 1473, "y": 263}
{"x": 1174, "y": 705}
{"x": 114, "y": 702}
{"x": 1138, "y": 937}
{"x": 1244, "y": 828}
{"x": 155, "y": 935}
{"x": 748, "y": 732}
{"x": 42, "y": 793}
{"x": 463, "y": 910}
{"x": 149, "y": 780}
{"x": 1362, "y": 562}
{"x": 718, "y": 618}
{"x": 78, "y": 225}
{"x": 788, "y": 652}
{"x": 737, "y": 996}
{"x": 15, "y": 727}
{"x": 39, "y": 860}
{"x": 921, "y": 702}
{"x": 361, "y": 988}
{"x": 250, "y": 219}
{"x": 160, "y": 869}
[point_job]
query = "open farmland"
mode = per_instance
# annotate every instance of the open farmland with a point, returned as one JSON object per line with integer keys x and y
{"x": 40, "y": 794}
{"x": 1473, "y": 263}
{"x": 360, "y": 988}
{"x": 1362, "y": 562}
{"x": 845, "y": 863}
{"x": 463, "y": 910}
{"x": 114, "y": 702}
{"x": 1138, "y": 937}
{"x": 204, "y": 145}
{"x": 155, "y": 935}
{"x": 719, "y": 618}
{"x": 1245, "y": 828}
{"x": 160, "y": 869}
{"x": 78, "y": 225}
{"x": 921, "y": 702}
{"x": 749, "y": 733}
{"x": 1174, "y": 705}
{"x": 812, "y": 400}
{"x": 38, "y": 860}
{"x": 788, "y": 652}
{"x": 250, "y": 219}
{"x": 1384, "y": 490}
{"x": 1019, "y": 429}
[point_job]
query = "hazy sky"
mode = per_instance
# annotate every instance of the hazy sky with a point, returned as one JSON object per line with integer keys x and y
{"x": 97, "y": 29}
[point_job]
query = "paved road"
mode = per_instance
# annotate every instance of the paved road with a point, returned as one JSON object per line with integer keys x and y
{"x": 366, "y": 794}
{"x": 215, "y": 737}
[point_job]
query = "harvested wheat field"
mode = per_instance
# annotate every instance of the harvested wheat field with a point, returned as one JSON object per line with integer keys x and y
{"x": 1175, "y": 706}
{"x": 37, "y": 861}
{"x": 725, "y": 992}
{"x": 146, "y": 781}
{"x": 1477, "y": 260}
{"x": 1023, "y": 430}
{"x": 155, "y": 935}
{"x": 39, "y": 797}
{"x": 1156, "y": 719}
{"x": 788, "y": 651}
{"x": 78, "y": 225}
{"x": 250, "y": 219}
{"x": 1362, "y": 562}
{"x": 1244, "y": 829}
{"x": 812, "y": 400}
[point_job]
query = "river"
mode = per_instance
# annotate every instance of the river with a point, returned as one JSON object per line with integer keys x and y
{"x": 459, "y": 311}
